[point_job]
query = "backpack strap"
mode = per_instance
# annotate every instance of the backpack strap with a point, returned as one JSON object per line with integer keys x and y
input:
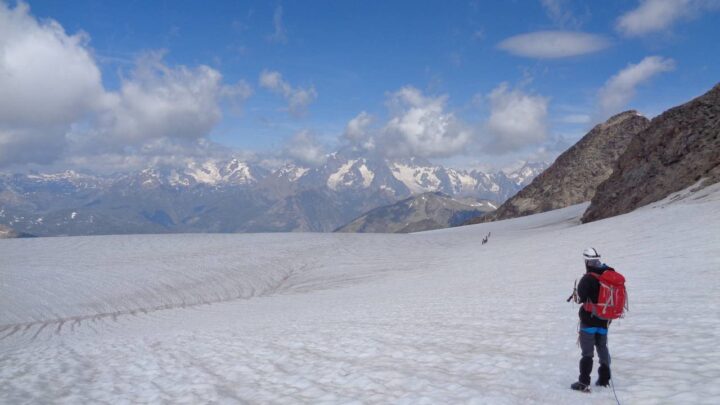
{"x": 589, "y": 305}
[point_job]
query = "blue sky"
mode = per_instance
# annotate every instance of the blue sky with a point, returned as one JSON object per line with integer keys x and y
{"x": 468, "y": 83}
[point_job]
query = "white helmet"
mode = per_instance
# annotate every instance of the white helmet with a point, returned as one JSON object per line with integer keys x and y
{"x": 591, "y": 254}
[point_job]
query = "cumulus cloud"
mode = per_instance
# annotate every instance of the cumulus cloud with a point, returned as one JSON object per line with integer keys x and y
{"x": 48, "y": 80}
{"x": 517, "y": 119}
{"x": 158, "y": 101}
{"x": 620, "y": 89}
{"x": 298, "y": 98}
{"x": 657, "y": 15}
{"x": 417, "y": 125}
{"x": 553, "y": 44}
{"x": 279, "y": 35}
{"x": 357, "y": 131}
{"x": 305, "y": 148}
{"x": 420, "y": 126}
{"x": 54, "y": 105}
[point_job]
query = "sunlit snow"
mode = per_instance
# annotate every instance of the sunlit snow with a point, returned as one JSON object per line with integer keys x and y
{"x": 433, "y": 317}
{"x": 335, "y": 178}
{"x": 417, "y": 179}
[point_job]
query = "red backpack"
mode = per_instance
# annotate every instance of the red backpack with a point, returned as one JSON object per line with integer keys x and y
{"x": 612, "y": 297}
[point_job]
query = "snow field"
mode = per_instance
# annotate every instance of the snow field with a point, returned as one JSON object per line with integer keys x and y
{"x": 316, "y": 318}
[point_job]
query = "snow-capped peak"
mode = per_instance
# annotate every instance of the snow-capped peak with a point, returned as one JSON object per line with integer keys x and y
{"x": 351, "y": 173}
{"x": 418, "y": 179}
{"x": 291, "y": 172}
{"x": 238, "y": 172}
{"x": 461, "y": 181}
{"x": 214, "y": 173}
{"x": 207, "y": 172}
{"x": 523, "y": 174}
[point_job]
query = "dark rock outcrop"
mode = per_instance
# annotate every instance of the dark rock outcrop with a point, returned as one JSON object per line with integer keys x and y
{"x": 576, "y": 174}
{"x": 421, "y": 213}
{"x": 680, "y": 147}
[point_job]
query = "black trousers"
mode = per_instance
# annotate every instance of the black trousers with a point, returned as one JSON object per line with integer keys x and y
{"x": 589, "y": 342}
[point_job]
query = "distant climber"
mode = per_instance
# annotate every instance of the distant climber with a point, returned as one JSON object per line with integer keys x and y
{"x": 601, "y": 291}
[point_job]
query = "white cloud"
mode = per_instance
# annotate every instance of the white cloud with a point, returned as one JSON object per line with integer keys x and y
{"x": 305, "y": 148}
{"x": 48, "y": 80}
{"x": 357, "y": 130}
{"x": 158, "y": 101}
{"x": 298, "y": 98}
{"x": 553, "y": 44}
{"x": 620, "y": 88}
{"x": 54, "y": 105}
{"x": 517, "y": 120}
{"x": 657, "y": 15}
{"x": 421, "y": 127}
{"x": 279, "y": 36}
{"x": 153, "y": 152}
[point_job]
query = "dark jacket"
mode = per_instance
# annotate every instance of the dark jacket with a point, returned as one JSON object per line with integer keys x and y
{"x": 588, "y": 289}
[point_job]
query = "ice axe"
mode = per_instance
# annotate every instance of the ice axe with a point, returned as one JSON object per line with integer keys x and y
{"x": 574, "y": 293}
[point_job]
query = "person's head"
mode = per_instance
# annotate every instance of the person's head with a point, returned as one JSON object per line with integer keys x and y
{"x": 592, "y": 258}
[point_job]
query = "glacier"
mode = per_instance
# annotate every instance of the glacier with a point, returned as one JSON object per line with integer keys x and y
{"x": 433, "y": 317}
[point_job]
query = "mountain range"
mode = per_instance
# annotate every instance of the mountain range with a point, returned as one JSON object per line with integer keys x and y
{"x": 235, "y": 195}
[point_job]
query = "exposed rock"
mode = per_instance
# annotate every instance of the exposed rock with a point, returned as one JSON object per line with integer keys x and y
{"x": 576, "y": 174}
{"x": 421, "y": 213}
{"x": 679, "y": 148}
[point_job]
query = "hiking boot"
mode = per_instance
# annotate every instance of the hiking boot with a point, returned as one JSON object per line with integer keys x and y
{"x": 578, "y": 386}
{"x": 603, "y": 376}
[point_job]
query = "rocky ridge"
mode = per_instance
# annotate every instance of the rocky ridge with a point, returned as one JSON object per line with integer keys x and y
{"x": 576, "y": 174}
{"x": 679, "y": 148}
{"x": 419, "y": 213}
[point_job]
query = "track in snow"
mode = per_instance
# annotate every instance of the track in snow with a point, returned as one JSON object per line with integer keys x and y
{"x": 424, "y": 318}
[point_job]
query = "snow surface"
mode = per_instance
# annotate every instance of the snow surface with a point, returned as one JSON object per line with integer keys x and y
{"x": 433, "y": 317}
